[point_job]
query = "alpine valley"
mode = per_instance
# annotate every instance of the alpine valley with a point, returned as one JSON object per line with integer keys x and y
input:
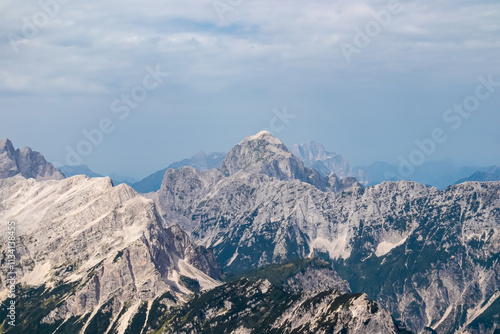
{"x": 262, "y": 243}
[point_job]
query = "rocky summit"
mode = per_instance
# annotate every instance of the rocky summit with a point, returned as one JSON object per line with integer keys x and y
{"x": 26, "y": 162}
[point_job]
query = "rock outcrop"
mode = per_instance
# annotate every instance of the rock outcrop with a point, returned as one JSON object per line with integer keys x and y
{"x": 25, "y": 162}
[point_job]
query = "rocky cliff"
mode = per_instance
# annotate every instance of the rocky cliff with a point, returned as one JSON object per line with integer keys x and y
{"x": 25, "y": 162}
{"x": 429, "y": 256}
{"x": 98, "y": 253}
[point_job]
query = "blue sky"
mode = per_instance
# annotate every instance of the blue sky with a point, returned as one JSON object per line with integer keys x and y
{"x": 229, "y": 75}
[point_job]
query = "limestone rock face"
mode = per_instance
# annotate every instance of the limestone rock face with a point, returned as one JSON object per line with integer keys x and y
{"x": 263, "y": 154}
{"x": 314, "y": 155}
{"x": 26, "y": 162}
{"x": 106, "y": 243}
{"x": 428, "y": 256}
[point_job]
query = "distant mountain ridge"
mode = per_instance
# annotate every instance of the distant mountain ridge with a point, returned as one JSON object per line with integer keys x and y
{"x": 435, "y": 173}
{"x": 26, "y": 162}
{"x": 440, "y": 174}
{"x": 199, "y": 161}
{"x": 488, "y": 174}
{"x": 314, "y": 155}
{"x": 70, "y": 171}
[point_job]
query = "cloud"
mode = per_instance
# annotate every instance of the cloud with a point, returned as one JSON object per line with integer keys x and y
{"x": 98, "y": 47}
{"x": 270, "y": 50}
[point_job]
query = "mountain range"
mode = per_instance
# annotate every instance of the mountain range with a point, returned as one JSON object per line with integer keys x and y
{"x": 262, "y": 244}
{"x": 440, "y": 174}
{"x": 405, "y": 243}
{"x": 200, "y": 161}
{"x": 70, "y": 171}
{"x": 488, "y": 174}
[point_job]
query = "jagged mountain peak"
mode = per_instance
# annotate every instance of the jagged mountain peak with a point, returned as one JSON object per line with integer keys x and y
{"x": 315, "y": 155}
{"x": 264, "y": 140}
{"x": 26, "y": 150}
{"x": 263, "y": 135}
{"x": 265, "y": 154}
{"x": 28, "y": 163}
{"x": 311, "y": 150}
{"x": 6, "y": 146}
{"x": 200, "y": 154}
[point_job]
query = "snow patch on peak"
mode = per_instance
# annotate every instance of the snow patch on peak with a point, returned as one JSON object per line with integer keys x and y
{"x": 263, "y": 135}
{"x": 336, "y": 248}
{"x": 385, "y": 247}
{"x": 231, "y": 260}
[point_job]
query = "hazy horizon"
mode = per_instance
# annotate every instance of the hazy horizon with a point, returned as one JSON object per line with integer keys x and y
{"x": 289, "y": 145}
{"x": 365, "y": 79}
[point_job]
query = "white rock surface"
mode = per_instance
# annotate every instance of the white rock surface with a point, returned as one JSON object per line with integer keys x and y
{"x": 108, "y": 239}
{"x": 262, "y": 210}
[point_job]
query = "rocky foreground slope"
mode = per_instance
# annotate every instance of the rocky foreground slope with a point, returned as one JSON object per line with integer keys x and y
{"x": 89, "y": 256}
{"x": 304, "y": 296}
{"x": 428, "y": 256}
{"x": 260, "y": 307}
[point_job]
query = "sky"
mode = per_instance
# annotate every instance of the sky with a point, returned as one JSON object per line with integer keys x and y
{"x": 131, "y": 86}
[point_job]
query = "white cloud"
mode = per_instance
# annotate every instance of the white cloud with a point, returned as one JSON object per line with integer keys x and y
{"x": 263, "y": 55}
{"x": 101, "y": 46}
